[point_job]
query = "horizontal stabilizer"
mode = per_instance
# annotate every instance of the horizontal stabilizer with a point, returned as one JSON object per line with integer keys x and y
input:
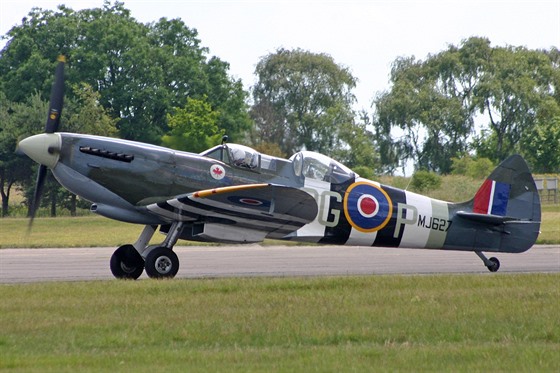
{"x": 486, "y": 218}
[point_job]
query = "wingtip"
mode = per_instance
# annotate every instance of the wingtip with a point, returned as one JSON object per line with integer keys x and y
{"x": 61, "y": 58}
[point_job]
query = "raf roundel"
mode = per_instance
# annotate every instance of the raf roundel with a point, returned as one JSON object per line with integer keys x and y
{"x": 367, "y": 207}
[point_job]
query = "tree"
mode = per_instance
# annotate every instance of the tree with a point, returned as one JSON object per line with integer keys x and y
{"x": 475, "y": 168}
{"x": 82, "y": 113}
{"x": 18, "y": 120}
{"x": 142, "y": 71}
{"x": 301, "y": 100}
{"x": 193, "y": 128}
{"x": 358, "y": 151}
{"x": 515, "y": 85}
{"x": 428, "y": 104}
{"x": 541, "y": 146}
{"x": 86, "y": 115}
{"x": 432, "y": 104}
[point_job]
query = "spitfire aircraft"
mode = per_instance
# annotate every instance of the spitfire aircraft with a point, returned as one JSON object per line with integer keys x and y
{"x": 234, "y": 194}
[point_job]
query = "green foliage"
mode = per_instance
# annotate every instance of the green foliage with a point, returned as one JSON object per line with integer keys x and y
{"x": 359, "y": 150}
{"x": 141, "y": 71}
{"x": 541, "y": 146}
{"x": 301, "y": 99}
{"x": 270, "y": 148}
{"x": 428, "y": 111}
{"x": 18, "y": 120}
{"x": 516, "y": 88}
{"x": 193, "y": 128}
{"x": 123, "y": 77}
{"x": 434, "y": 104}
{"x": 364, "y": 171}
{"x": 478, "y": 168}
{"x": 425, "y": 180}
{"x": 84, "y": 114}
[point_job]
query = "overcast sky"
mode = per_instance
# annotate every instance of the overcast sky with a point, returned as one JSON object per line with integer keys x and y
{"x": 366, "y": 36}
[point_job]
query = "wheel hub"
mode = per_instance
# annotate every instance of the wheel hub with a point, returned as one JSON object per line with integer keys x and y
{"x": 163, "y": 265}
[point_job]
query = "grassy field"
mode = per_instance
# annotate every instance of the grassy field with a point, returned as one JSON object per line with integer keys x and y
{"x": 458, "y": 323}
{"x": 91, "y": 230}
{"x": 95, "y": 231}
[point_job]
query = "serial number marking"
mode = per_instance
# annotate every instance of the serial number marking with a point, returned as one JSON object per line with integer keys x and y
{"x": 436, "y": 224}
{"x": 408, "y": 214}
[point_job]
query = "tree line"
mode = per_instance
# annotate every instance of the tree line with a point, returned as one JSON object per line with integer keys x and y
{"x": 156, "y": 83}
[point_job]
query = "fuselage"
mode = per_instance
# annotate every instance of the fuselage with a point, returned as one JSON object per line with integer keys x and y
{"x": 121, "y": 178}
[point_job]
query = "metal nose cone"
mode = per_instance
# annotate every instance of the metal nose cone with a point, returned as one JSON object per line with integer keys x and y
{"x": 43, "y": 148}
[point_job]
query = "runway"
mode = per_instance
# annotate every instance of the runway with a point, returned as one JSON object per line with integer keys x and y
{"x": 85, "y": 264}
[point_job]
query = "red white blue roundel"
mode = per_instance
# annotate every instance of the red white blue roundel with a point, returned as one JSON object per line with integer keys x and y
{"x": 367, "y": 207}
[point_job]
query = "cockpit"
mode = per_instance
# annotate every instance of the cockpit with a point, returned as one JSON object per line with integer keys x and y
{"x": 241, "y": 156}
{"x": 320, "y": 167}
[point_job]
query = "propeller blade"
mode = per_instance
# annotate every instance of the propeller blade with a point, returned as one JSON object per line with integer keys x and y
{"x": 57, "y": 98}
{"x": 41, "y": 177}
{"x": 53, "y": 121}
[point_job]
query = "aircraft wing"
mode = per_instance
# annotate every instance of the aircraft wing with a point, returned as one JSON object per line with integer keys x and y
{"x": 241, "y": 213}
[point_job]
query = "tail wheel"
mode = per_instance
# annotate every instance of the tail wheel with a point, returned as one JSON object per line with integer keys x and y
{"x": 162, "y": 262}
{"x": 127, "y": 263}
{"x": 494, "y": 266}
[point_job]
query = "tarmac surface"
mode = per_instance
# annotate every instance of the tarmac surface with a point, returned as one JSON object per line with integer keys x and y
{"x": 85, "y": 264}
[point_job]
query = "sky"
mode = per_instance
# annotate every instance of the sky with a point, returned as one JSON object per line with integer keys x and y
{"x": 364, "y": 36}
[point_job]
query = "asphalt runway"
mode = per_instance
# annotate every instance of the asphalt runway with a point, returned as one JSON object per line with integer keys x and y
{"x": 85, "y": 264}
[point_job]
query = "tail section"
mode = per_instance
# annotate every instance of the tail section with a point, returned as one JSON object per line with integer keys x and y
{"x": 505, "y": 214}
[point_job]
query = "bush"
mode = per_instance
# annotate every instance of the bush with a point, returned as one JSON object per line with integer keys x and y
{"x": 424, "y": 180}
{"x": 365, "y": 172}
{"x": 478, "y": 168}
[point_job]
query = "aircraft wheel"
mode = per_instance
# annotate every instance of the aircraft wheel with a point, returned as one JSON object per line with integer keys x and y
{"x": 162, "y": 262}
{"x": 495, "y": 265}
{"x": 127, "y": 263}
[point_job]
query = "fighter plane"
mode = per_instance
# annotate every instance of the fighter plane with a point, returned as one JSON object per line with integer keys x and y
{"x": 234, "y": 194}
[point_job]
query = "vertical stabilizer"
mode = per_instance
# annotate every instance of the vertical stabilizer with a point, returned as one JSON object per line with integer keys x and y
{"x": 509, "y": 191}
{"x": 504, "y": 215}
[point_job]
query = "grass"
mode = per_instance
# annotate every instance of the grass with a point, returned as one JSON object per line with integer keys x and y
{"x": 550, "y": 227}
{"x": 92, "y": 230}
{"x": 88, "y": 231}
{"x": 387, "y": 323}
{"x": 96, "y": 231}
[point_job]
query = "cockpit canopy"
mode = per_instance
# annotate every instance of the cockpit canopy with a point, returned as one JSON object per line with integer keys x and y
{"x": 305, "y": 164}
{"x": 320, "y": 167}
{"x": 241, "y": 156}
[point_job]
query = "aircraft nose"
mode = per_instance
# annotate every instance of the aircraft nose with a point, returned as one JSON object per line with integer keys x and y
{"x": 43, "y": 148}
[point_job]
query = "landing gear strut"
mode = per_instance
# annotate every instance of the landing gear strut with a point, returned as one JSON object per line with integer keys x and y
{"x": 493, "y": 264}
{"x": 128, "y": 261}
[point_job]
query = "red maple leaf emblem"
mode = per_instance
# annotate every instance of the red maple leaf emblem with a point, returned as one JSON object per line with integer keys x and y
{"x": 217, "y": 171}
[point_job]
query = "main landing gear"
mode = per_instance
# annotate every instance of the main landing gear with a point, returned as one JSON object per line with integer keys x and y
{"x": 129, "y": 261}
{"x": 493, "y": 264}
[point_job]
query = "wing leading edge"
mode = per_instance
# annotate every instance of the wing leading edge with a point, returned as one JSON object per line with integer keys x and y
{"x": 240, "y": 213}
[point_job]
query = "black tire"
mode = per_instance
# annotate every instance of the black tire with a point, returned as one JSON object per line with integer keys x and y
{"x": 162, "y": 262}
{"x": 495, "y": 265}
{"x": 127, "y": 263}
